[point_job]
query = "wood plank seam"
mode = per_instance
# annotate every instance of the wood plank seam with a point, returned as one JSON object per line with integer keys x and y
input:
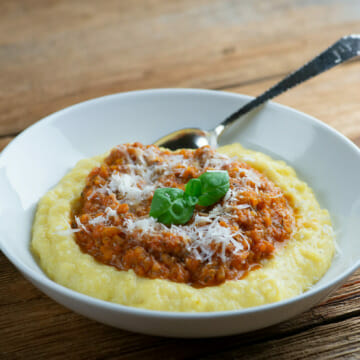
{"x": 260, "y": 339}
{"x": 10, "y": 135}
{"x": 327, "y": 349}
{"x": 269, "y": 77}
{"x": 250, "y": 82}
{"x": 299, "y": 330}
{"x": 262, "y": 342}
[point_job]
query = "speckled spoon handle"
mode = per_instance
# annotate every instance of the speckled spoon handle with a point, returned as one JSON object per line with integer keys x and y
{"x": 343, "y": 50}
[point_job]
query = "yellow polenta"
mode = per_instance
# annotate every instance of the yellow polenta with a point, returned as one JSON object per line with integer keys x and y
{"x": 294, "y": 268}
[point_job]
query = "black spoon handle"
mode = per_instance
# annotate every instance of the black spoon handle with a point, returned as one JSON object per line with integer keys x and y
{"x": 343, "y": 50}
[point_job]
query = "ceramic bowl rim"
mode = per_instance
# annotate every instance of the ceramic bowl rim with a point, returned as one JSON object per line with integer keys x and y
{"x": 42, "y": 279}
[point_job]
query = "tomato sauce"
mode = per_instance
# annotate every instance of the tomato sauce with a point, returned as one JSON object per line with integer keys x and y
{"x": 221, "y": 242}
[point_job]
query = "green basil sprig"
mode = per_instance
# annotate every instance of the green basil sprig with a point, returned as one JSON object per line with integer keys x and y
{"x": 214, "y": 185}
{"x": 174, "y": 206}
{"x": 169, "y": 206}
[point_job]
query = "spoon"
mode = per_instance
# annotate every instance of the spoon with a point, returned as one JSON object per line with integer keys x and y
{"x": 193, "y": 138}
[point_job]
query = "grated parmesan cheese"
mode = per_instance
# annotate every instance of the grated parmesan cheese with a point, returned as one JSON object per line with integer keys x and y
{"x": 80, "y": 225}
{"x": 103, "y": 219}
{"x": 204, "y": 236}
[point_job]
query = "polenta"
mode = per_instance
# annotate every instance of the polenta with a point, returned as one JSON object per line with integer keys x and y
{"x": 295, "y": 253}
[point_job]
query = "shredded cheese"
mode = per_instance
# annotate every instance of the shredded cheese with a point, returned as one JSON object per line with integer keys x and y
{"x": 204, "y": 235}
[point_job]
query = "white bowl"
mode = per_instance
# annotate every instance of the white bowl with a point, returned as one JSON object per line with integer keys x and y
{"x": 37, "y": 159}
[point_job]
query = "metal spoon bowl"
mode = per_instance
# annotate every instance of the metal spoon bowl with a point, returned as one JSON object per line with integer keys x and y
{"x": 192, "y": 138}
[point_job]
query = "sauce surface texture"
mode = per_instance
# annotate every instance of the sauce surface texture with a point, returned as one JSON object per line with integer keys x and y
{"x": 221, "y": 242}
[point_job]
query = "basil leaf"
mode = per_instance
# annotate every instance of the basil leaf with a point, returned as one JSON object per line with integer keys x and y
{"x": 214, "y": 185}
{"x": 163, "y": 199}
{"x": 169, "y": 206}
{"x": 193, "y": 187}
{"x": 192, "y": 191}
{"x": 175, "y": 206}
{"x": 190, "y": 200}
{"x": 178, "y": 213}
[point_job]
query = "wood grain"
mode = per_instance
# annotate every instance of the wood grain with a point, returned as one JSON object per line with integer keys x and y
{"x": 57, "y": 53}
{"x": 47, "y": 324}
{"x": 64, "y": 52}
{"x": 330, "y": 97}
{"x": 338, "y": 340}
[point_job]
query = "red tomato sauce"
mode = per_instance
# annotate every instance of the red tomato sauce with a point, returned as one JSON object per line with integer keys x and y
{"x": 221, "y": 242}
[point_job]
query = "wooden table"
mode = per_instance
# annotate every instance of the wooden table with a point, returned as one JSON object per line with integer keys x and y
{"x": 56, "y": 53}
